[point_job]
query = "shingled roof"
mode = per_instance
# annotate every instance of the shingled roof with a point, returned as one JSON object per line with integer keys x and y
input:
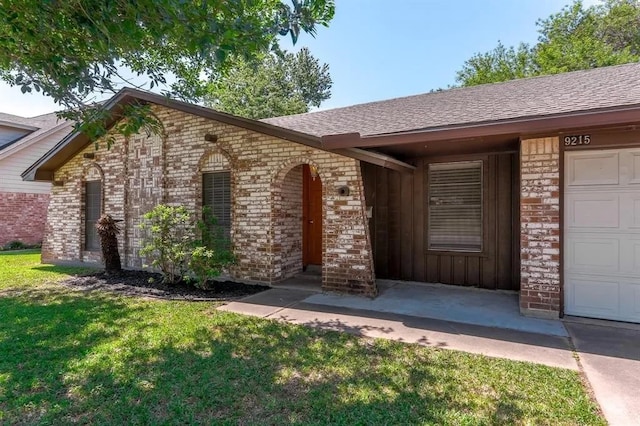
{"x": 553, "y": 95}
{"x": 36, "y": 126}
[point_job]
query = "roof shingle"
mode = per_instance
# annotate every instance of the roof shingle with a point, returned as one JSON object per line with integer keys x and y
{"x": 593, "y": 89}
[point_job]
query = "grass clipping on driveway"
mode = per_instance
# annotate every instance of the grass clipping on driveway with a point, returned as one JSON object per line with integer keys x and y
{"x": 92, "y": 357}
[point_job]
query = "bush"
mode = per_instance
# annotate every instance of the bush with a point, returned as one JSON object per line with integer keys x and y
{"x": 15, "y": 245}
{"x": 174, "y": 249}
{"x": 211, "y": 254}
{"x": 171, "y": 236}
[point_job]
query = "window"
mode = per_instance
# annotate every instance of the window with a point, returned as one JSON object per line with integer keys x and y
{"x": 92, "y": 211}
{"x": 216, "y": 196}
{"x": 455, "y": 206}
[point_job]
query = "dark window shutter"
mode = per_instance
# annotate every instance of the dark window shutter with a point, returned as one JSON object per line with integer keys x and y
{"x": 92, "y": 211}
{"x": 216, "y": 188}
{"x": 455, "y": 206}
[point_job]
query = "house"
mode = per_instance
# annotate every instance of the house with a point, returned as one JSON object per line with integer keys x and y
{"x": 23, "y": 205}
{"x": 531, "y": 185}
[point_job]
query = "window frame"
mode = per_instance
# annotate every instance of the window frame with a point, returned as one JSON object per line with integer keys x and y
{"x": 482, "y": 252}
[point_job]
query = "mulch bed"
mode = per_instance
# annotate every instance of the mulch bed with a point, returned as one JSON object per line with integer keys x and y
{"x": 147, "y": 284}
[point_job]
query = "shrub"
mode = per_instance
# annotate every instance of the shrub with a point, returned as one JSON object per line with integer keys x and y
{"x": 211, "y": 254}
{"x": 169, "y": 241}
{"x": 174, "y": 249}
{"x": 15, "y": 245}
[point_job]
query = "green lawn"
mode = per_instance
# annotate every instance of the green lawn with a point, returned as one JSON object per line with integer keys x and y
{"x": 77, "y": 357}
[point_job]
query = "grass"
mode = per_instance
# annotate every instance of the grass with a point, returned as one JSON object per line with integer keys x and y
{"x": 76, "y": 357}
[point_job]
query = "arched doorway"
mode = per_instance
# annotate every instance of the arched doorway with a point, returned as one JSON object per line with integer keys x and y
{"x": 297, "y": 221}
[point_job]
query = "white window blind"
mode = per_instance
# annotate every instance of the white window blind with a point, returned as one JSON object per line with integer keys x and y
{"x": 455, "y": 206}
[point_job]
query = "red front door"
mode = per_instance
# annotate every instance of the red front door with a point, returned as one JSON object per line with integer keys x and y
{"x": 312, "y": 218}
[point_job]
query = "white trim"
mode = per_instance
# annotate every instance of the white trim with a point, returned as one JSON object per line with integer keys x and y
{"x": 18, "y": 125}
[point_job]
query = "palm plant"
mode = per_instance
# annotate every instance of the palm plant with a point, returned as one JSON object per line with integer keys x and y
{"x": 108, "y": 231}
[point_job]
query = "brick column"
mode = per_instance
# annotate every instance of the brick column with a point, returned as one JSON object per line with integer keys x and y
{"x": 348, "y": 259}
{"x": 540, "y": 227}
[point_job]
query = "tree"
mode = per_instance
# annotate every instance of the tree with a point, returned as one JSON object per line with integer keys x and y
{"x": 578, "y": 38}
{"x": 72, "y": 49}
{"x": 500, "y": 64}
{"x": 575, "y": 38}
{"x": 278, "y": 84}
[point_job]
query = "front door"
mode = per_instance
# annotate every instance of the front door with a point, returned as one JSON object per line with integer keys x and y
{"x": 312, "y": 218}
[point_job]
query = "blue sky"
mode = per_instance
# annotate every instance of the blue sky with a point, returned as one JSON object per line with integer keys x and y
{"x": 381, "y": 49}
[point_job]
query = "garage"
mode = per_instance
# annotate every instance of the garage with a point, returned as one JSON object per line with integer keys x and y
{"x": 602, "y": 234}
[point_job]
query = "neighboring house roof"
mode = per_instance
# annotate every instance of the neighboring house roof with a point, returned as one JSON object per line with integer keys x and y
{"x": 596, "y": 90}
{"x": 16, "y": 121}
{"x": 37, "y": 127}
{"x": 43, "y": 169}
{"x": 32, "y": 138}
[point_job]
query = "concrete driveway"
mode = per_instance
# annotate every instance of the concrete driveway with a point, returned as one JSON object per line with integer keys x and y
{"x": 610, "y": 358}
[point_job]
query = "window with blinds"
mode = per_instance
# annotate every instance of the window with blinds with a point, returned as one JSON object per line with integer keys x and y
{"x": 455, "y": 206}
{"x": 216, "y": 197}
{"x": 92, "y": 211}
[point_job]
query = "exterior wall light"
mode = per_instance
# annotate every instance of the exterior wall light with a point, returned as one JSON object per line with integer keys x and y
{"x": 313, "y": 171}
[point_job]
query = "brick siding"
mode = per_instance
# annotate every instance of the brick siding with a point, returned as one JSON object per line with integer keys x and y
{"x": 540, "y": 227}
{"x": 140, "y": 172}
{"x": 22, "y": 217}
{"x": 288, "y": 223}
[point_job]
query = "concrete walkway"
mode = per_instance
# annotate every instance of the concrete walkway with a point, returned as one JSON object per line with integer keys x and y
{"x": 448, "y": 303}
{"x": 293, "y": 306}
{"x": 608, "y": 356}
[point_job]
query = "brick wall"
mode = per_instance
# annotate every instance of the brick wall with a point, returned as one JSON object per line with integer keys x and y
{"x": 140, "y": 172}
{"x": 540, "y": 227}
{"x": 22, "y": 217}
{"x": 288, "y": 224}
{"x": 64, "y": 231}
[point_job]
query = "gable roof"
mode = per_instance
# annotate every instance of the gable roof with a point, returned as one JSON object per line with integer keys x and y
{"x": 34, "y": 127}
{"x": 32, "y": 138}
{"x": 16, "y": 121}
{"x": 597, "y": 89}
{"x": 63, "y": 151}
{"x": 596, "y": 97}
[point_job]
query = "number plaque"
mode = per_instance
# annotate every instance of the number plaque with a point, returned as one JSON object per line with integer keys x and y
{"x": 577, "y": 140}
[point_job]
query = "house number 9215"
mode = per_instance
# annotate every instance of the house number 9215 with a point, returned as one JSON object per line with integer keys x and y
{"x": 577, "y": 140}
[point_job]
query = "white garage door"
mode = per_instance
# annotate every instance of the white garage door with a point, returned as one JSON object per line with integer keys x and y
{"x": 602, "y": 234}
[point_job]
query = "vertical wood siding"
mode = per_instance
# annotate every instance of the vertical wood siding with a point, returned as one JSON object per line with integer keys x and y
{"x": 399, "y": 222}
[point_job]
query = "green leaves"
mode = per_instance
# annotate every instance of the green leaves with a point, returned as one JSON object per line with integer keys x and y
{"x": 73, "y": 50}
{"x": 169, "y": 234}
{"x": 575, "y": 38}
{"x": 278, "y": 84}
{"x": 173, "y": 248}
{"x": 500, "y": 64}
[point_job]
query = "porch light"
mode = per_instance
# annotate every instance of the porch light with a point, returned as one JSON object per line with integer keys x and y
{"x": 313, "y": 171}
